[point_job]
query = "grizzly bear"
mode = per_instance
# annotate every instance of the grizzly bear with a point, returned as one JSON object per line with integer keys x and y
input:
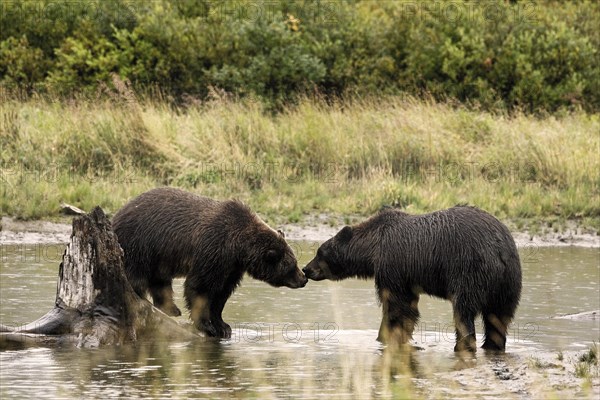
{"x": 461, "y": 254}
{"x": 167, "y": 233}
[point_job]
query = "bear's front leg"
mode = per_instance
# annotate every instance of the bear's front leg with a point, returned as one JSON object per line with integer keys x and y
{"x": 207, "y": 320}
{"x": 205, "y": 312}
{"x": 216, "y": 310}
{"x": 198, "y": 303}
{"x": 400, "y": 315}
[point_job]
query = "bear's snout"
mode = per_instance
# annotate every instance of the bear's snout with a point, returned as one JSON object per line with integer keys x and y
{"x": 304, "y": 281}
{"x": 298, "y": 280}
{"x": 309, "y": 273}
{"x": 312, "y": 271}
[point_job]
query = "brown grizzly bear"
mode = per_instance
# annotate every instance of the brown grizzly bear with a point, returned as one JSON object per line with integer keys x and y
{"x": 167, "y": 233}
{"x": 461, "y": 254}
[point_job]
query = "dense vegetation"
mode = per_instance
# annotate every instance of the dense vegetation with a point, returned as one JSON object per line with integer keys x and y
{"x": 420, "y": 105}
{"x": 495, "y": 53}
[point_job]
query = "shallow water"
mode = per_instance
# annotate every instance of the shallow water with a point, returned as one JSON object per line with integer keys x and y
{"x": 316, "y": 342}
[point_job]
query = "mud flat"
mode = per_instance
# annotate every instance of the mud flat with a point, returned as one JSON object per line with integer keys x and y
{"x": 322, "y": 226}
{"x": 315, "y": 228}
{"x": 523, "y": 375}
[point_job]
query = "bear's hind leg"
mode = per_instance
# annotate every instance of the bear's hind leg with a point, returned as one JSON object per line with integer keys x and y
{"x": 464, "y": 321}
{"x": 496, "y": 328}
{"x": 162, "y": 296}
{"x": 138, "y": 283}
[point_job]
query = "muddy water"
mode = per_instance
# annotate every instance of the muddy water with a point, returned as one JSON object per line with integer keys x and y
{"x": 316, "y": 342}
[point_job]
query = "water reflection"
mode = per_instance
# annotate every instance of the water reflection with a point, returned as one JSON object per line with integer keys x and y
{"x": 152, "y": 369}
{"x": 316, "y": 342}
{"x": 355, "y": 366}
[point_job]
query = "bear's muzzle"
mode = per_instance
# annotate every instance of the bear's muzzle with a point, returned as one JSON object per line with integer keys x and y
{"x": 298, "y": 280}
{"x": 314, "y": 271}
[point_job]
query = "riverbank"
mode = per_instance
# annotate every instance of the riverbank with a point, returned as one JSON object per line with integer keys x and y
{"x": 316, "y": 228}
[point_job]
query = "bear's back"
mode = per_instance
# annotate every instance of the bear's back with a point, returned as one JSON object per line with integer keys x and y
{"x": 170, "y": 209}
{"x": 166, "y": 210}
{"x": 171, "y": 224}
{"x": 455, "y": 224}
{"x": 459, "y": 240}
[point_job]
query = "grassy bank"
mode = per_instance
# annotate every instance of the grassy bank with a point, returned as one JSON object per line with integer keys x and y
{"x": 343, "y": 159}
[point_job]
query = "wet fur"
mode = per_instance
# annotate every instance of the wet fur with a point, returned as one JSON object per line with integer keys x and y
{"x": 167, "y": 233}
{"x": 461, "y": 254}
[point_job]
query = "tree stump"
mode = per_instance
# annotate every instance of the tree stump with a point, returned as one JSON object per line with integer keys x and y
{"x": 95, "y": 304}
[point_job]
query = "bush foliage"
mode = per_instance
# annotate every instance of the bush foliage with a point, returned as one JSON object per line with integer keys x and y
{"x": 528, "y": 55}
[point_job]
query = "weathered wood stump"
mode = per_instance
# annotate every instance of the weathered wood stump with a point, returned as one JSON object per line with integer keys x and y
{"x": 95, "y": 304}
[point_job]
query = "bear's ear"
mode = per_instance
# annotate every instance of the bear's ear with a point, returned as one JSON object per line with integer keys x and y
{"x": 346, "y": 233}
{"x": 281, "y": 233}
{"x": 272, "y": 256}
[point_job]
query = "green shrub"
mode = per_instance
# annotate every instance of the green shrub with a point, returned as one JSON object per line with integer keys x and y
{"x": 532, "y": 56}
{"x": 37, "y": 36}
{"x": 269, "y": 60}
{"x": 83, "y": 61}
{"x": 533, "y": 61}
{"x": 21, "y": 65}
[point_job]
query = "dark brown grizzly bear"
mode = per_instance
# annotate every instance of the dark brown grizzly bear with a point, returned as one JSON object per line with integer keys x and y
{"x": 461, "y": 254}
{"x": 167, "y": 233}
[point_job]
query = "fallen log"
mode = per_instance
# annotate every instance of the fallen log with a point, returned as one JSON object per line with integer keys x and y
{"x": 95, "y": 304}
{"x": 586, "y": 315}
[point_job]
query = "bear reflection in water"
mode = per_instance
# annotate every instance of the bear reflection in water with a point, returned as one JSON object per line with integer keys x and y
{"x": 167, "y": 233}
{"x": 461, "y": 254}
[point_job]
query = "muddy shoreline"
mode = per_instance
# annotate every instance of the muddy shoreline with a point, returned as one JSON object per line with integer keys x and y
{"x": 316, "y": 228}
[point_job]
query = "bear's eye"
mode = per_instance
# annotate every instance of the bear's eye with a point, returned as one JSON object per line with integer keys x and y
{"x": 320, "y": 253}
{"x": 272, "y": 256}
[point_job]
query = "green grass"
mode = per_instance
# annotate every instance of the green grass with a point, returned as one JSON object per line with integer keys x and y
{"x": 591, "y": 357}
{"x": 348, "y": 158}
{"x": 587, "y": 365}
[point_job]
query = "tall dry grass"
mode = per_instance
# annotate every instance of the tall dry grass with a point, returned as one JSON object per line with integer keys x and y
{"x": 345, "y": 158}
